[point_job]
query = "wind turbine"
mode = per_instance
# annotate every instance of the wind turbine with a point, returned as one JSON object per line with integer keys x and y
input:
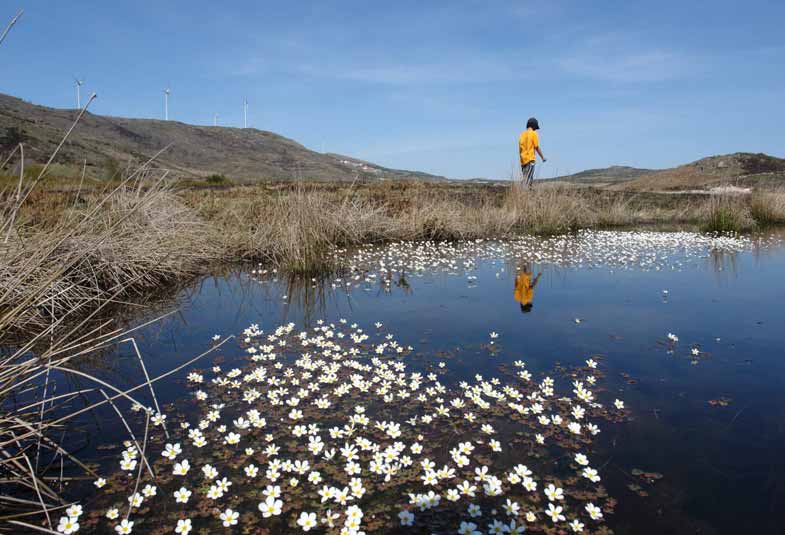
{"x": 78, "y": 93}
{"x": 167, "y": 92}
{"x": 215, "y": 120}
{"x": 245, "y": 113}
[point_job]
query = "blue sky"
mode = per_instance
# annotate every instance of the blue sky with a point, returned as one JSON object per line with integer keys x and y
{"x": 438, "y": 86}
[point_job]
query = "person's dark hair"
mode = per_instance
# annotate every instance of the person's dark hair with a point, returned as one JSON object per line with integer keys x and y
{"x": 526, "y": 308}
{"x": 532, "y": 123}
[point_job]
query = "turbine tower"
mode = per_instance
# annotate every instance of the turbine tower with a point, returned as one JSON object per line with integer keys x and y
{"x": 167, "y": 92}
{"x": 215, "y": 120}
{"x": 78, "y": 93}
{"x": 245, "y": 113}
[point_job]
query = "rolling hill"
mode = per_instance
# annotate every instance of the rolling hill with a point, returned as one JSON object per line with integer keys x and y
{"x": 742, "y": 169}
{"x": 193, "y": 151}
{"x": 606, "y": 175}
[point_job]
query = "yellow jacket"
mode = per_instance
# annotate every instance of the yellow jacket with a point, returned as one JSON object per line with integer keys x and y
{"x": 528, "y": 141}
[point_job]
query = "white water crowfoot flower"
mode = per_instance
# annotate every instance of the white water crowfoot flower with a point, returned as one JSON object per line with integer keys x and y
{"x": 406, "y": 518}
{"x": 182, "y": 495}
{"x": 306, "y": 521}
{"x": 251, "y": 471}
{"x": 125, "y": 527}
{"x": 158, "y": 419}
{"x": 135, "y": 499}
{"x": 209, "y": 471}
{"x": 181, "y": 468}
{"x": 272, "y": 491}
{"x": 619, "y": 404}
{"x": 468, "y": 528}
{"x": 183, "y": 526}
{"x": 553, "y": 493}
{"x": 511, "y": 508}
{"x": 171, "y": 451}
{"x": 555, "y": 513}
{"x": 329, "y": 519}
{"x": 229, "y": 518}
{"x": 68, "y": 525}
{"x": 270, "y": 507}
{"x": 594, "y": 512}
{"x": 576, "y": 526}
{"x": 100, "y": 482}
{"x": 591, "y": 474}
{"x": 74, "y": 511}
{"x": 497, "y": 527}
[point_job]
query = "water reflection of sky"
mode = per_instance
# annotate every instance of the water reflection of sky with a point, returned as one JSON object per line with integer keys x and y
{"x": 723, "y": 467}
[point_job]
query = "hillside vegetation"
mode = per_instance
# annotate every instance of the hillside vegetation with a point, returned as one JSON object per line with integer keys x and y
{"x": 607, "y": 175}
{"x": 112, "y": 144}
{"x": 742, "y": 169}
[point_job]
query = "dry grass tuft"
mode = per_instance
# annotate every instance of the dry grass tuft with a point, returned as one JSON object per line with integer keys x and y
{"x": 299, "y": 231}
{"x": 768, "y": 208}
{"x": 549, "y": 210}
{"x": 126, "y": 242}
{"x": 726, "y": 213}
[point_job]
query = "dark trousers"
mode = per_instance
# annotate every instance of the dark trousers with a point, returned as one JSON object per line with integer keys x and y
{"x": 527, "y": 171}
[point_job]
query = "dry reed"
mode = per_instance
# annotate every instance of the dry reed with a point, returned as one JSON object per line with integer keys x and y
{"x": 726, "y": 213}
{"x": 768, "y": 207}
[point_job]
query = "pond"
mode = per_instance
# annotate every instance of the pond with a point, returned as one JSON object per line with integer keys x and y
{"x": 686, "y": 330}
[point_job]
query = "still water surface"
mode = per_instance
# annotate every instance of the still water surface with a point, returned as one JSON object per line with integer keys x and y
{"x": 713, "y": 425}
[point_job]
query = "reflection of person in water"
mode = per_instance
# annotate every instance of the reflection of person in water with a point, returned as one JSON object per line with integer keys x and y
{"x": 524, "y": 288}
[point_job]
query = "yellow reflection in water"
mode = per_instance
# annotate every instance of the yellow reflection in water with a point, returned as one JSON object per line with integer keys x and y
{"x": 524, "y": 288}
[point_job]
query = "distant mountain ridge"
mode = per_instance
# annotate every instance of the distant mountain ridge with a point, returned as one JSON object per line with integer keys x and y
{"x": 193, "y": 151}
{"x": 612, "y": 174}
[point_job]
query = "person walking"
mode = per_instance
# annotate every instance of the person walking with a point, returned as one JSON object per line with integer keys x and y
{"x": 528, "y": 143}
